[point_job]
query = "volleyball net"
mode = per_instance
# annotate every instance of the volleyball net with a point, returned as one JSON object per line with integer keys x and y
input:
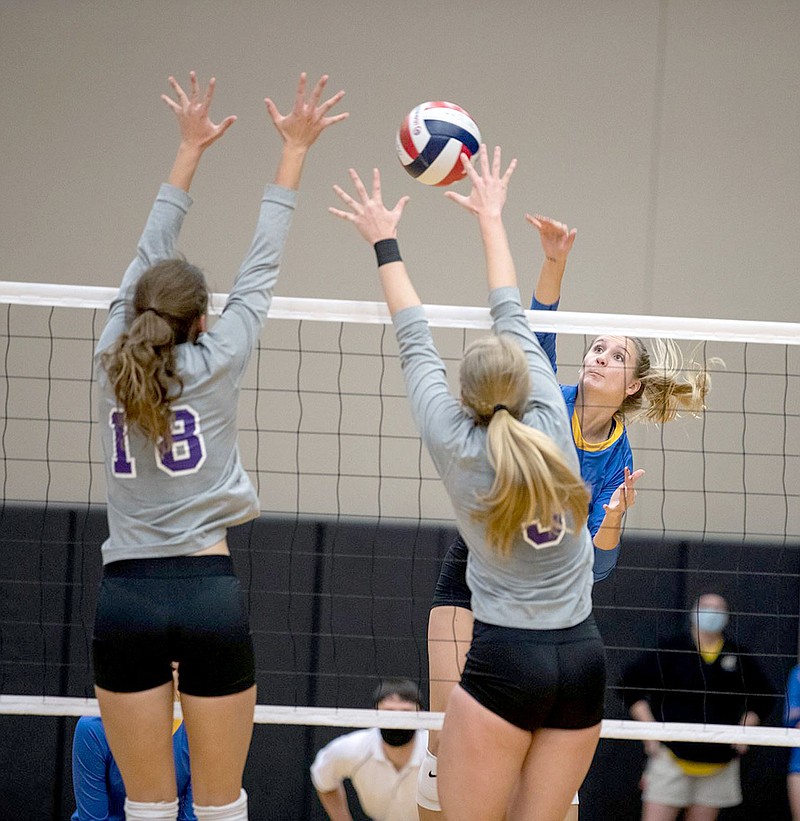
{"x": 341, "y": 566}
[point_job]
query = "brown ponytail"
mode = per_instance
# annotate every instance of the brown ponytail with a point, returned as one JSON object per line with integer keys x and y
{"x": 168, "y": 302}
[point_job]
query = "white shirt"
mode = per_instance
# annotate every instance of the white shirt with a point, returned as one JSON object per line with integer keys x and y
{"x": 385, "y": 793}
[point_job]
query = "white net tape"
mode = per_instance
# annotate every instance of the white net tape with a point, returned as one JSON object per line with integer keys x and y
{"x": 441, "y": 316}
{"x": 354, "y": 718}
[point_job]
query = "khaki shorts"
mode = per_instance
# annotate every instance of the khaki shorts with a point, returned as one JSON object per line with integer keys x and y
{"x": 666, "y": 783}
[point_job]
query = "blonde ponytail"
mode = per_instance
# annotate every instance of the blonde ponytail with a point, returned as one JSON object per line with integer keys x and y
{"x": 670, "y": 385}
{"x": 533, "y": 482}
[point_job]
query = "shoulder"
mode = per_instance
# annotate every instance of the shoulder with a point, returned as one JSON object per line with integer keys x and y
{"x": 569, "y": 392}
{"x": 677, "y": 641}
{"x": 341, "y": 758}
{"x": 742, "y": 653}
{"x": 89, "y": 742}
{"x": 420, "y": 748}
{"x": 350, "y": 744}
{"x": 731, "y": 646}
{"x": 90, "y": 727}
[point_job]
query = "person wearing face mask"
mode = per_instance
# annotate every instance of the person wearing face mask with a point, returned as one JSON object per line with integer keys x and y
{"x": 381, "y": 764}
{"x": 699, "y": 676}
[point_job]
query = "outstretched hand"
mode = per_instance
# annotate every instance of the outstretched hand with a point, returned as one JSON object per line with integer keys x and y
{"x": 373, "y": 220}
{"x": 197, "y": 129}
{"x": 308, "y": 118}
{"x": 489, "y": 187}
{"x": 624, "y": 497}
{"x": 555, "y": 236}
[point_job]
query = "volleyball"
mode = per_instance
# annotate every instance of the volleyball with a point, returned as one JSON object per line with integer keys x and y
{"x": 432, "y": 139}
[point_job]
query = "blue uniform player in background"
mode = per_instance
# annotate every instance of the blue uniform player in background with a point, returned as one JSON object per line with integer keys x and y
{"x": 97, "y": 782}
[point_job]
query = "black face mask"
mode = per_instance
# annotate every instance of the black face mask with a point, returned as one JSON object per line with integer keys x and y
{"x": 396, "y": 738}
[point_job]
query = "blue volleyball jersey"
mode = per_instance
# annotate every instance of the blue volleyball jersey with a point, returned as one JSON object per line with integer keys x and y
{"x": 97, "y": 782}
{"x": 792, "y": 714}
{"x": 602, "y": 464}
{"x": 182, "y": 501}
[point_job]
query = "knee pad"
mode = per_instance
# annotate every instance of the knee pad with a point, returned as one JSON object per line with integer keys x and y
{"x": 427, "y": 786}
{"x": 237, "y": 811}
{"x": 147, "y": 811}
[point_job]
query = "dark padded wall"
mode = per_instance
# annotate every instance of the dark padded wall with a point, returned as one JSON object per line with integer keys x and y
{"x": 335, "y": 604}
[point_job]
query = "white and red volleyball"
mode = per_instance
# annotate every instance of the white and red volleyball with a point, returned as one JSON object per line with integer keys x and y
{"x": 432, "y": 139}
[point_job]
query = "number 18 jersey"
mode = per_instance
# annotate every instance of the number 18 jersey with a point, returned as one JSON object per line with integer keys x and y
{"x": 175, "y": 503}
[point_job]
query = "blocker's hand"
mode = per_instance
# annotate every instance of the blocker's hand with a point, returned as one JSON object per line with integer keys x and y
{"x": 489, "y": 187}
{"x": 372, "y": 219}
{"x": 191, "y": 110}
{"x": 308, "y": 118}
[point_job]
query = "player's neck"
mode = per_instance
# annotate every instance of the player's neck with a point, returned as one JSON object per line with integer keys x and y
{"x": 708, "y": 642}
{"x": 595, "y": 419}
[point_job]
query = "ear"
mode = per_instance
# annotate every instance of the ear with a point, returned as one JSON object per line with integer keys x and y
{"x": 202, "y": 323}
{"x": 633, "y": 387}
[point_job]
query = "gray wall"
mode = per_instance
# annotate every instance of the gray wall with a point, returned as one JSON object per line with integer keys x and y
{"x": 666, "y": 131}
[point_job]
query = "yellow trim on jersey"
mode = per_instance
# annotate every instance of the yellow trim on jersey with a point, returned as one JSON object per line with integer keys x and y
{"x": 697, "y": 767}
{"x": 710, "y": 656}
{"x": 593, "y": 447}
{"x": 176, "y": 722}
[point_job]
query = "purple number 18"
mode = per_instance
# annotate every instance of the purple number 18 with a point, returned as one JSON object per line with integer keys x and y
{"x": 187, "y": 454}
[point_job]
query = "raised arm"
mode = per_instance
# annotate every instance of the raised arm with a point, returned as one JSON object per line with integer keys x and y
{"x": 251, "y": 296}
{"x": 160, "y": 235}
{"x": 557, "y": 240}
{"x": 377, "y": 224}
{"x": 198, "y": 131}
{"x": 486, "y": 201}
{"x": 300, "y": 128}
{"x": 434, "y": 409}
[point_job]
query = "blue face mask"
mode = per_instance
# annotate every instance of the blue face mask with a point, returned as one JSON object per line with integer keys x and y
{"x": 711, "y": 621}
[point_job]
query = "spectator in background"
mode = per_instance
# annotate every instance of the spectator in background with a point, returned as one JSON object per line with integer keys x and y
{"x": 382, "y": 764}
{"x": 698, "y": 676}
{"x": 793, "y": 720}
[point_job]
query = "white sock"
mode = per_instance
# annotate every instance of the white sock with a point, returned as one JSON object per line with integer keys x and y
{"x": 151, "y": 811}
{"x": 237, "y": 811}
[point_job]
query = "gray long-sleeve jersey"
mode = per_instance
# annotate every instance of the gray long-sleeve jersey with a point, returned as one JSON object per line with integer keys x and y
{"x": 174, "y": 504}
{"x": 546, "y": 582}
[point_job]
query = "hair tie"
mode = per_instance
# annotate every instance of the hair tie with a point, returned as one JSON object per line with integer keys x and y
{"x": 499, "y": 408}
{"x": 156, "y": 312}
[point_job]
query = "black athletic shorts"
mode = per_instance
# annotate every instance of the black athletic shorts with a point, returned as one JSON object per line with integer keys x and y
{"x": 451, "y": 586}
{"x": 538, "y": 678}
{"x": 189, "y": 609}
